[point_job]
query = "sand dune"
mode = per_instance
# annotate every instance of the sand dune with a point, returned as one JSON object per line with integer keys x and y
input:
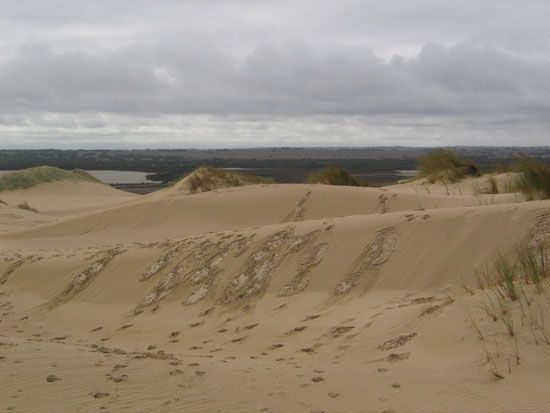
{"x": 280, "y": 298}
{"x": 153, "y": 219}
{"x": 66, "y": 198}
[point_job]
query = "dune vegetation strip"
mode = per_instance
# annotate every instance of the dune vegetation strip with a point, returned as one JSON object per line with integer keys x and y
{"x": 334, "y": 175}
{"x": 514, "y": 293}
{"x": 534, "y": 179}
{"x": 208, "y": 178}
{"x": 445, "y": 165}
{"x": 28, "y": 178}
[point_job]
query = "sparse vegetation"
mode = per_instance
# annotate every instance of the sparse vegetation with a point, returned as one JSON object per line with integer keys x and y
{"x": 446, "y": 166}
{"x": 516, "y": 300}
{"x": 28, "y": 178}
{"x": 534, "y": 179}
{"x": 26, "y": 207}
{"x": 334, "y": 175}
{"x": 208, "y": 178}
{"x": 493, "y": 186}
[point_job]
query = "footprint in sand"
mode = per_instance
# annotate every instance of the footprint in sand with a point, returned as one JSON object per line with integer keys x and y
{"x": 239, "y": 339}
{"x": 310, "y": 317}
{"x": 52, "y": 378}
{"x": 295, "y": 330}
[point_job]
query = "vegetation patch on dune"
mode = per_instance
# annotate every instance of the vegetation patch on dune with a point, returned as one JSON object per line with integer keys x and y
{"x": 534, "y": 179}
{"x": 28, "y": 178}
{"x": 26, "y": 207}
{"x": 334, "y": 175}
{"x": 207, "y": 178}
{"x": 445, "y": 165}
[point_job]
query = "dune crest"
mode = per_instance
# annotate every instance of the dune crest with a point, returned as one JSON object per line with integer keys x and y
{"x": 313, "y": 297}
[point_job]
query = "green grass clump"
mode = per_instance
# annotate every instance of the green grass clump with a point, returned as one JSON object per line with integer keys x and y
{"x": 534, "y": 179}
{"x": 333, "y": 175}
{"x": 505, "y": 273}
{"x": 28, "y": 178}
{"x": 445, "y": 165}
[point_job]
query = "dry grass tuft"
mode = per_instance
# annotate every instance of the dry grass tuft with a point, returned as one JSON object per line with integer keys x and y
{"x": 334, "y": 175}
{"x": 515, "y": 300}
{"x": 26, "y": 207}
{"x": 446, "y": 166}
{"x": 208, "y": 178}
{"x": 534, "y": 179}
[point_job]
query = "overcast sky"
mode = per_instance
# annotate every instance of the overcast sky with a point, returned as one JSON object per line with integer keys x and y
{"x": 242, "y": 73}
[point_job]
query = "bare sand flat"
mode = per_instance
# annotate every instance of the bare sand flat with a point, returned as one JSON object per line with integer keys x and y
{"x": 269, "y": 298}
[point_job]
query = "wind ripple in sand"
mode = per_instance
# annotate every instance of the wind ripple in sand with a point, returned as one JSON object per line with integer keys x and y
{"x": 311, "y": 260}
{"x": 298, "y": 213}
{"x": 200, "y": 266}
{"x": 376, "y": 253}
{"x": 83, "y": 280}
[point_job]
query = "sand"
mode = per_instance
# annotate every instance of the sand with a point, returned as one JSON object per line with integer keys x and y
{"x": 275, "y": 298}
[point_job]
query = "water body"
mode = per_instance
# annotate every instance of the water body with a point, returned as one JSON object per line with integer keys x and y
{"x": 121, "y": 177}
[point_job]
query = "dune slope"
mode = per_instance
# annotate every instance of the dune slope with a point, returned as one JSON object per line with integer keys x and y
{"x": 282, "y": 298}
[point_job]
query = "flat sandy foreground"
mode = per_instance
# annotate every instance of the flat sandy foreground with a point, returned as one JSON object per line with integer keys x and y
{"x": 267, "y": 298}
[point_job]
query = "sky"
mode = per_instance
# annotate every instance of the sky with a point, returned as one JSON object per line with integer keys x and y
{"x": 254, "y": 73}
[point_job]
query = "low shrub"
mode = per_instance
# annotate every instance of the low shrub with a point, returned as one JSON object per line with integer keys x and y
{"x": 333, "y": 175}
{"x": 445, "y": 165}
{"x": 534, "y": 179}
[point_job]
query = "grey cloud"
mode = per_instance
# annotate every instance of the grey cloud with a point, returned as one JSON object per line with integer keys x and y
{"x": 289, "y": 79}
{"x": 274, "y": 72}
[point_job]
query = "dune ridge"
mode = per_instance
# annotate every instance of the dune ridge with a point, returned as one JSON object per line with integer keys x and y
{"x": 311, "y": 297}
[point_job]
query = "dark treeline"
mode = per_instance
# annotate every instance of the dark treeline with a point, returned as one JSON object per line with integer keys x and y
{"x": 168, "y": 165}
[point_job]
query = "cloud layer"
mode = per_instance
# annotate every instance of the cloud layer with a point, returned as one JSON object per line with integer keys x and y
{"x": 169, "y": 73}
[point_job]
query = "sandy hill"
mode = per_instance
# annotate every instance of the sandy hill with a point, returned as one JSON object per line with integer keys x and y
{"x": 282, "y": 298}
{"x": 207, "y": 178}
{"x": 53, "y": 192}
